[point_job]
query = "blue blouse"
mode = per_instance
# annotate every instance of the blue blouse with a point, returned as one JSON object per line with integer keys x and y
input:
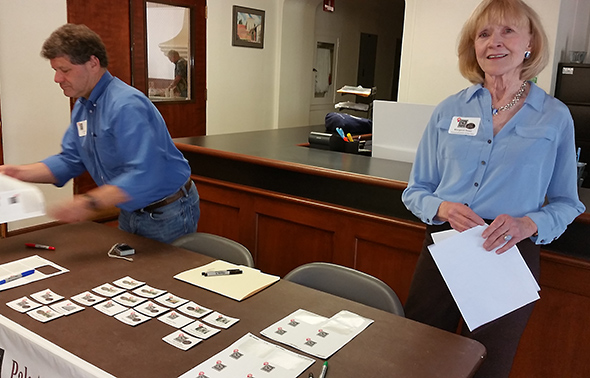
{"x": 527, "y": 169}
{"x": 121, "y": 139}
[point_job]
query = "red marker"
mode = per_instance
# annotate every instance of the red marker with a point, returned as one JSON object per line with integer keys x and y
{"x": 39, "y": 246}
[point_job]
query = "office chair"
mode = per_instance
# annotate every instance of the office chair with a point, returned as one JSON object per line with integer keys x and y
{"x": 217, "y": 247}
{"x": 347, "y": 283}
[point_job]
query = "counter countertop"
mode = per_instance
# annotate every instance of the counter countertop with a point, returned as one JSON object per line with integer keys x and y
{"x": 279, "y": 146}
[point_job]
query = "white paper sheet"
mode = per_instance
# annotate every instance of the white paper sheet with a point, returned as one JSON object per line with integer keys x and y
{"x": 315, "y": 334}
{"x": 19, "y": 200}
{"x": 485, "y": 285}
{"x": 251, "y": 355}
{"x": 22, "y": 265}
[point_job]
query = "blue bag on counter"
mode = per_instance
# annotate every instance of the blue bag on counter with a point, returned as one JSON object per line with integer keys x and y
{"x": 348, "y": 123}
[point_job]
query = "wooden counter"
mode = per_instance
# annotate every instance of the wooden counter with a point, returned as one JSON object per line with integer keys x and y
{"x": 291, "y": 205}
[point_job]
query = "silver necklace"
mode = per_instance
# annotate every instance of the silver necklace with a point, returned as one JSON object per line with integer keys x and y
{"x": 496, "y": 111}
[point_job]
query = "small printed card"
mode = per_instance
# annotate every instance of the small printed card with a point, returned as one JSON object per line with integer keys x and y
{"x": 44, "y": 314}
{"x": 110, "y": 307}
{"x": 200, "y": 330}
{"x": 181, "y": 340}
{"x": 132, "y": 317}
{"x": 151, "y": 309}
{"x": 128, "y": 299}
{"x": 148, "y": 291}
{"x": 66, "y": 307}
{"x": 219, "y": 320}
{"x": 170, "y": 300}
{"x": 193, "y": 309}
{"x": 23, "y": 304}
{"x": 128, "y": 283}
{"x": 88, "y": 299}
{"x": 46, "y": 296}
{"x": 175, "y": 319}
{"x": 108, "y": 290}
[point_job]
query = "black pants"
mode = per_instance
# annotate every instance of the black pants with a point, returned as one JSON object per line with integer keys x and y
{"x": 430, "y": 302}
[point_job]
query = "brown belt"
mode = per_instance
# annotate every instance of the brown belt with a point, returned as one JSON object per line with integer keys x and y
{"x": 168, "y": 200}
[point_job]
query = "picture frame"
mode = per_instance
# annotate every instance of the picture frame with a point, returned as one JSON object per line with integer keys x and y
{"x": 248, "y": 27}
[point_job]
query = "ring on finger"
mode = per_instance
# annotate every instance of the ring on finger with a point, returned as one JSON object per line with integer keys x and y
{"x": 507, "y": 237}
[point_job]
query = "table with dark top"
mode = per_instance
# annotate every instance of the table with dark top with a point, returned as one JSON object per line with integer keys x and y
{"x": 391, "y": 346}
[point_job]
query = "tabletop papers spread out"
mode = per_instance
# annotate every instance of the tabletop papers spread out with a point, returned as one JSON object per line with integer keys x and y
{"x": 485, "y": 285}
{"x": 43, "y": 269}
{"x": 19, "y": 200}
{"x": 235, "y": 286}
{"x": 315, "y": 334}
{"x": 251, "y": 356}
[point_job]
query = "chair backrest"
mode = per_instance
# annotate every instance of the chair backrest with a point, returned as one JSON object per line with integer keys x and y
{"x": 347, "y": 283}
{"x": 217, "y": 247}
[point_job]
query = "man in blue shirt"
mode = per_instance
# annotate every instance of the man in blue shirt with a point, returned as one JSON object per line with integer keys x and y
{"x": 120, "y": 138}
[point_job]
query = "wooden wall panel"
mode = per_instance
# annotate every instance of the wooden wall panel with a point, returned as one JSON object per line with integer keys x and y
{"x": 219, "y": 219}
{"x": 110, "y": 20}
{"x": 393, "y": 266}
{"x": 282, "y": 245}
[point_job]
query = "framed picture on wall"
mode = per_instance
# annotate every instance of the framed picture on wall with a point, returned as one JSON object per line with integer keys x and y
{"x": 248, "y": 27}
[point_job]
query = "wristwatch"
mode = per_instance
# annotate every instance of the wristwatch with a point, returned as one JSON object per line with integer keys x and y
{"x": 92, "y": 202}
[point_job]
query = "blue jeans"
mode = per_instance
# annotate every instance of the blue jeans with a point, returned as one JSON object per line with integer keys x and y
{"x": 166, "y": 223}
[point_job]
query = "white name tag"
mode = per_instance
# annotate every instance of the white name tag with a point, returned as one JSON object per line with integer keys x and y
{"x": 464, "y": 126}
{"x": 82, "y": 128}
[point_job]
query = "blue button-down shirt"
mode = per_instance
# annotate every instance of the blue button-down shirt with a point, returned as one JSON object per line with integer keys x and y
{"x": 125, "y": 143}
{"x": 527, "y": 169}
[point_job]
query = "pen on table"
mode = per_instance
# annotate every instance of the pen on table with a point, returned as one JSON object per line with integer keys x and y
{"x": 222, "y": 272}
{"x": 324, "y": 370}
{"x": 39, "y": 246}
{"x": 578, "y": 154}
{"x": 17, "y": 276}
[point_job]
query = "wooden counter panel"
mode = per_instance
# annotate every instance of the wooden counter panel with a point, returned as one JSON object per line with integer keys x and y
{"x": 555, "y": 341}
{"x": 283, "y": 232}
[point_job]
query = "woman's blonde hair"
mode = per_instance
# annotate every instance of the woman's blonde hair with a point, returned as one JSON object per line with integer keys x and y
{"x": 514, "y": 12}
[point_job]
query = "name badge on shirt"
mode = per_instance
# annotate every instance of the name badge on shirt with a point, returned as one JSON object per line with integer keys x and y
{"x": 464, "y": 126}
{"x": 82, "y": 128}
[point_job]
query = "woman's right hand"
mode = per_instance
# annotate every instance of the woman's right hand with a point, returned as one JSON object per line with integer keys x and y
{"x": 459, "y": 216}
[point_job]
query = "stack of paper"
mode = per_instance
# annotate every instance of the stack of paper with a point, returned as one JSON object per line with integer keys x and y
{"x": 235, "y": 286}
{"x": 19, "y": 200}
{"x": 485, "y": 285}
{"x": 315, "y": 334}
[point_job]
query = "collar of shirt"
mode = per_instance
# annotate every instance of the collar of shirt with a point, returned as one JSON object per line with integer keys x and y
{"x": 97, "y": 91}
{"x": 535, "y": 98}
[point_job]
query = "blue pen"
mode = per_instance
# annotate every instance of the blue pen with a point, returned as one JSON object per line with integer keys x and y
{"x": 17, "y": 276}
{"x": 341, "y": 133}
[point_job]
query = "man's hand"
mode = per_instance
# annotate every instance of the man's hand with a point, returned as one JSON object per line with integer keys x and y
{"x": 76, "y": 210}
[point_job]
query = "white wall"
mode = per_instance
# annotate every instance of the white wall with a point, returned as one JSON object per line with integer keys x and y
{"x": 241, "y": 81}
{"x": 35, "y": 113}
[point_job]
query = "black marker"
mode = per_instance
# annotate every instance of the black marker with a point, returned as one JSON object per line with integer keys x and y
{"x": 222, "y": 272}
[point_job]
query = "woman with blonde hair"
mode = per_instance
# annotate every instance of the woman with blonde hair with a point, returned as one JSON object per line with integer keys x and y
{"x": 500, "y": 152}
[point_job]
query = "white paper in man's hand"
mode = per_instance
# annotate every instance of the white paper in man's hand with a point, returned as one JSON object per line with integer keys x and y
{"x": 19, "y": 200}
{"x": 485, "y": 285}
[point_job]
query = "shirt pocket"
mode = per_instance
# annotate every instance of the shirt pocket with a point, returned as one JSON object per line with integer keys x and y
{"x": 531, "y": 144}
{"x": 452, "y": 146}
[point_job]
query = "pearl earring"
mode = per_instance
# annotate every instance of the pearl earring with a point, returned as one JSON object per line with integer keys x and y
{"x": 527, "y": 54}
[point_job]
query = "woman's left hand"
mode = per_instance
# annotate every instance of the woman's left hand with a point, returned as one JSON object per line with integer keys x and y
{"x": 507, "y": 230}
